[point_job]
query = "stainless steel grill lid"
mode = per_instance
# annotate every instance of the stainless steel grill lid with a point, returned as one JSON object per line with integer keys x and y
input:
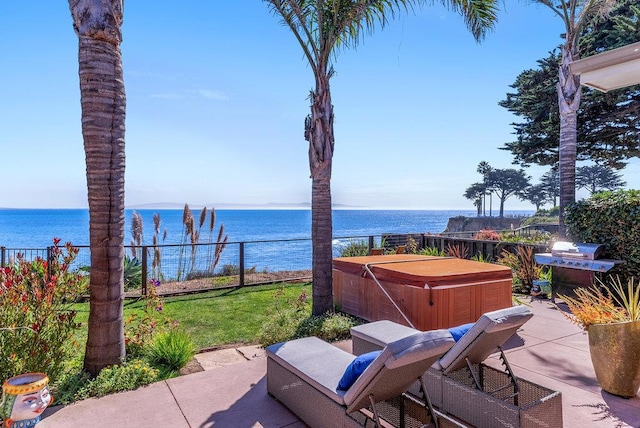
{"x": 577, "y": 250}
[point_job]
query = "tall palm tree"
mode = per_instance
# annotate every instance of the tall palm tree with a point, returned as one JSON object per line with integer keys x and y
{"x": 484, "y": 168}
{"x": 575, "y": 15}
{"x": 321, "y": 26}
{"x": 98, "y": 26}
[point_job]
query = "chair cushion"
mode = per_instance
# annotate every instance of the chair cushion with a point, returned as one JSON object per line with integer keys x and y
{"x": 381, "y": 333}
{"x": 459, "y": 331}
{"x": 405, "y": 360}
{"x": 490, "y": 331}
{"x": 355, "y": 369}
{"x": 315, "y": 361}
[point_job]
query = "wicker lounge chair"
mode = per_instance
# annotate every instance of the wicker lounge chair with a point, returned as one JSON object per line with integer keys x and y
{"x": 483, "y": 338}
{"x": 304, "y": 375}
{"x": 460, "y": 385}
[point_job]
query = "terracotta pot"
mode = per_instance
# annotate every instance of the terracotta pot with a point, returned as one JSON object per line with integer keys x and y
{"x": 615, "y": 353}
{"x": 24, "y": 398}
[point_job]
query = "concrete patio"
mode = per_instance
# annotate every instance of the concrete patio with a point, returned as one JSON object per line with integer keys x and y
{"x": 231, "y": 391}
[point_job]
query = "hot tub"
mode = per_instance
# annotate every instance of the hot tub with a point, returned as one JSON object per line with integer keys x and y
{"x": 423, "y": 292}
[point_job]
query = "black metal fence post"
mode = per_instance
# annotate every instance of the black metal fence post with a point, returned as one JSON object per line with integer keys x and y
{"x": 3, "y": 256}
{"x": 371, "y": 243}
{"x": 241, "y": 273}
{"x": 49, "y": 259}
{"x": 144, "y": 270}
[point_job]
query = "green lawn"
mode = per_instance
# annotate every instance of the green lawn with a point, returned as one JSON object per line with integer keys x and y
{"x": 214, "y": 318}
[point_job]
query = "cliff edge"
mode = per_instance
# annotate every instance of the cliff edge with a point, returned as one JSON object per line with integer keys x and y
{"x": 473, "y": 224}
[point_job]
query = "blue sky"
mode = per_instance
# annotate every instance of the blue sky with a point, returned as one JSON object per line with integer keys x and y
{"x": 217, "y": 93}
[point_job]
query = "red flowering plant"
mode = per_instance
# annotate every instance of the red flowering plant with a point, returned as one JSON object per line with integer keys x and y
{"x": 37, "y": 319}
{"x": 142, "y": 324}
{"x": 487, "y": 235}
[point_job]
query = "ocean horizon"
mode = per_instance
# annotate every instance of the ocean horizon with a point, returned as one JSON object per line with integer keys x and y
{"x": 36, "y": 227}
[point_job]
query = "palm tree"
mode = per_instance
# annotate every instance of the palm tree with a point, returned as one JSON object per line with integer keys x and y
{"x": 97, "y": 24}
{"x": 321, "y": 26}
{"x": 484, "y": 168}
{"x": 576, "y": 15}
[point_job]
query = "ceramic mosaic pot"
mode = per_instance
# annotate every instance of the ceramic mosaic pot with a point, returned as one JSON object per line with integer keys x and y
{"x": 615, "y": 354}
{"x": 24, "y": 398}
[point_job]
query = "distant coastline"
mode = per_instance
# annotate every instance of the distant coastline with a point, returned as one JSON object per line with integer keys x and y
{"x": 235, "y": 206}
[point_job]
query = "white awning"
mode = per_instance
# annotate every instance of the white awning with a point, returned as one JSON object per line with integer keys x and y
{"x": 610, "y": 70}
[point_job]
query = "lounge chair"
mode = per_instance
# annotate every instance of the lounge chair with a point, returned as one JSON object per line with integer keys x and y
{"x": 304, "y": 375}
{"x": 480, "y": 340}
{"x": 460, "y": 385}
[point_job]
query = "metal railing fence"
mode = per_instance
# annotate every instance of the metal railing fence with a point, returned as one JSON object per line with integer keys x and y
{"x": 183, "y": 268}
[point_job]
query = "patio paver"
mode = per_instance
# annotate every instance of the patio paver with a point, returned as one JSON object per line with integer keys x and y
{"x": 549, "y": 350}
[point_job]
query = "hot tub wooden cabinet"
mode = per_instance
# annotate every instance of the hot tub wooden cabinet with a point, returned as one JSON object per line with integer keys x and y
{"x": 432, "y": 292}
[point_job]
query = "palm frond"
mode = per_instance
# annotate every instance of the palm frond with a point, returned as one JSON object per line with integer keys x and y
{"x": 479, "y": 16}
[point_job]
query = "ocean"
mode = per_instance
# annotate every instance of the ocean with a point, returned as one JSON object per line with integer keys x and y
{"x": 275, "y": 240}
{"x": 36, "y": 228}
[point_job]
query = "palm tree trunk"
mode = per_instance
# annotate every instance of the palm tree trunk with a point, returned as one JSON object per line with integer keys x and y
{"x": 319, "y": 133}
{"x": 97, "y": 25}
{"x": 569, "y": 102}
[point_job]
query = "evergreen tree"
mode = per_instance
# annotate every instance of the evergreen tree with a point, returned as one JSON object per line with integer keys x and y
{"x": 550, "y": 182}
{"x": 475, "y": 193}
{"x": 608, "y": 126}
{"x": 595, "y": 178}
{"x": 536, "y": 194}
{"x": 505, "y": 183}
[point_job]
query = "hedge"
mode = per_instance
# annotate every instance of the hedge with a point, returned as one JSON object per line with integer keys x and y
{"x": 612, "y": 219}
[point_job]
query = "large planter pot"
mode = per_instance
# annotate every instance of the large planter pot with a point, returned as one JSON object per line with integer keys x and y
{"x": 24, "y": 398}
{"x": 615, "y": 353}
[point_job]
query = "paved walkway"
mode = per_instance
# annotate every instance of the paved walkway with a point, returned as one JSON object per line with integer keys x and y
{"x": 231, "y": 391}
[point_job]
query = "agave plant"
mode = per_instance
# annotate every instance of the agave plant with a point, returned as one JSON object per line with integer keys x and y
{"x": 132, "y": 273}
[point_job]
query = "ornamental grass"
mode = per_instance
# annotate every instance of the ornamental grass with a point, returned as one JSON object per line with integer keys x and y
{"x": 593, "y": 306}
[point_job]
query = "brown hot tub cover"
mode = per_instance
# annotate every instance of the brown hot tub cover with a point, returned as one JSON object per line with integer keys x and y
{"x": 425, "y": 292}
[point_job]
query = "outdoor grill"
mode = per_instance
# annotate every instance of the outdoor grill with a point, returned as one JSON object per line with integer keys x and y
{"x": 574, "y": 265}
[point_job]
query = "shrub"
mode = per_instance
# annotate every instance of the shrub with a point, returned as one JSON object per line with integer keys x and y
{"x": 551, "y": 212}
{"x": 171, "y": 350}
{"x": 540, "y": 219}
{"x": 284, "y": 318}
{"x": 487, "y": 235}
{"x": 524, "y": 267}
{"x": 122, "y": 377}
{"x": 140, "y": 327}
{"x": 37, "y": 318}
{"x": 431, "y": 251}
{"x": 355, "y": 248}
{"x": 337, "y": 326}
{"x": 229, "y": 270}
{"x": 536, "y": 237}
{"x": 457, "y": 251}
{"x": 291, "y": 319}
{"x": 482, "y": 258}
{"x": 66, "y": 389}
{"x": 330, "y": 326}
{"x": 610, "y": 218}
{"x": 412, "y": 245}
{"x": 198, "y": 274}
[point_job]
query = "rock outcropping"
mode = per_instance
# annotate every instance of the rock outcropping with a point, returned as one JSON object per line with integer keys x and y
{"x": 473, "y": 224}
